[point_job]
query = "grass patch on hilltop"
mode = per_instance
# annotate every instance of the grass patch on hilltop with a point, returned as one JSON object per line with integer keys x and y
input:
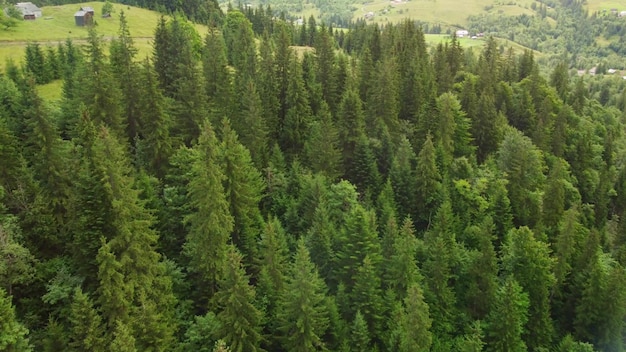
{"x": 60, "y": 25}
{"x": 448, "y": 13}
{"x": 599, "y": 5}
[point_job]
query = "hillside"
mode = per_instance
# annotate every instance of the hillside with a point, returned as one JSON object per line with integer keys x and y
{"x": 443, "y": 12}
{"x": 385, "y": 195}
{"x": 57, "y": 24}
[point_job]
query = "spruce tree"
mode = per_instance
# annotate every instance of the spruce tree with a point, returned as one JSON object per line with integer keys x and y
{"x": 13, "y": 335}
{"x": 325, "y": 53}
{"x": 298, "y": 114}
{"x": 156, "y": 143}
{"x": 428, "y": 183}
{"x": 240, "y": 319}
{"x": 243, "y": 187}
{"x": 86, "y": 333}
{"x": 251, "y": 125}
{"x": 217, "y": 80}
{"x": 351, "y": 126}
{"x": 401, "y": 268}
{"x": 100, "y": 92}
{"x": 272, "y": 267}
{"x": 302, "y": 314}
{"x": 414, "y": 322}
{"x": 210, "y": 223}
{"x": 485, "y": 129}
{"x": 133, "y": 278}
{"x": 382, "y": 101}
{"x": 123, "y": 67}
{"x": 507, "y": 318}
{"x": 402, "y": 178}
{"x": 523, "y": 166}
{"x": 322, "y": 146}
{"x": 366, "y": 295}
{"x": 357, "y": 240}
{"x": 528, "y": 261}
{"x": 359, "y": 334}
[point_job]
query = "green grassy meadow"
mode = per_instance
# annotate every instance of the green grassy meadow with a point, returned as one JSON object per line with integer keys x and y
{"x": 599, "y": 5}
{"x": 57, "y": 24}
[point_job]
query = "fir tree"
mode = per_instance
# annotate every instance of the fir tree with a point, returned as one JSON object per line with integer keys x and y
{"x": 428, "y": 183}
{"x": 122, "y": 56}
{"x": 506, "y": 320}
{"x": 156, "y": 144}
{"x": 414, "y": 322}
{"x": 211, "y": 222}
{"x": 216, "y": 75}
{"x": 243, "y": 187}
{"x": 302, "y": 313}
{"x": 13, "y": 335}
{"x": 322, "y": 146}
{"x": 86, "y": 332}
{"x": 240, "y": 319}
{"x": 528, "y": 261}
{"x": 298, "y": 114}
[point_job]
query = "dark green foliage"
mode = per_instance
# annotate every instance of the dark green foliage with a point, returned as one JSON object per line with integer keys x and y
{"x": 86, "y": 325}
{"x": 522, "y": 163}
{"x": 431, "y": 198}
{"x": 217, "y": 78}
{"x": 240, "y": 320}
{"x": 506, "y": 320}
{"x": 528, "y": 261}
{"x": 210, "y": 222}
{"x": 322, "y": 146}
{"x": 413, "y": 323}
{"x": 302, "y": 316}
{"x": 122, "y": 57}
{"x": 428, "y": 183}
{"x": 243, "y": 187}
{"x": 155, "y": 145}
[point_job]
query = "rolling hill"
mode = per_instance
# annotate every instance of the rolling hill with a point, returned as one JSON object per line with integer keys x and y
{"x": 57, "y": 24}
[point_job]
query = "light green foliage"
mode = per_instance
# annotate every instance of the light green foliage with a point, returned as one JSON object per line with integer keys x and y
{"x": 17, "y": 264}
{"x": 13, "y": 335}
{"x": 359, "y": 334}
{"x": 107, "y": 9}
{"x": 240, "y": 44}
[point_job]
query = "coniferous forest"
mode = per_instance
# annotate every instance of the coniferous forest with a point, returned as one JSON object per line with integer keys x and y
{"x": 362, "y": 191}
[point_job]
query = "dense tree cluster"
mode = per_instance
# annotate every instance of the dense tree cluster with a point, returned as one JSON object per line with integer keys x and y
{"x": 235, "y": 193}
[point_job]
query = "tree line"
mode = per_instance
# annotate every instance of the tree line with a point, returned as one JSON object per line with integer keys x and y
{"x": 234, "y": 192}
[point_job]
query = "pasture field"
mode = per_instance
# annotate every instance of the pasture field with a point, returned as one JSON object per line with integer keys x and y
{"x": 447, "y": 13}
{"x": 57, "y": 24}
{"x": 599, "y": 5}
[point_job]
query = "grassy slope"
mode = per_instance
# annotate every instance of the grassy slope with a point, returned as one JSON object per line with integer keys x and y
{"x": 599, "y": 5}
{"x": 445, "y": 12}
{"x": 60, "y": 25}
